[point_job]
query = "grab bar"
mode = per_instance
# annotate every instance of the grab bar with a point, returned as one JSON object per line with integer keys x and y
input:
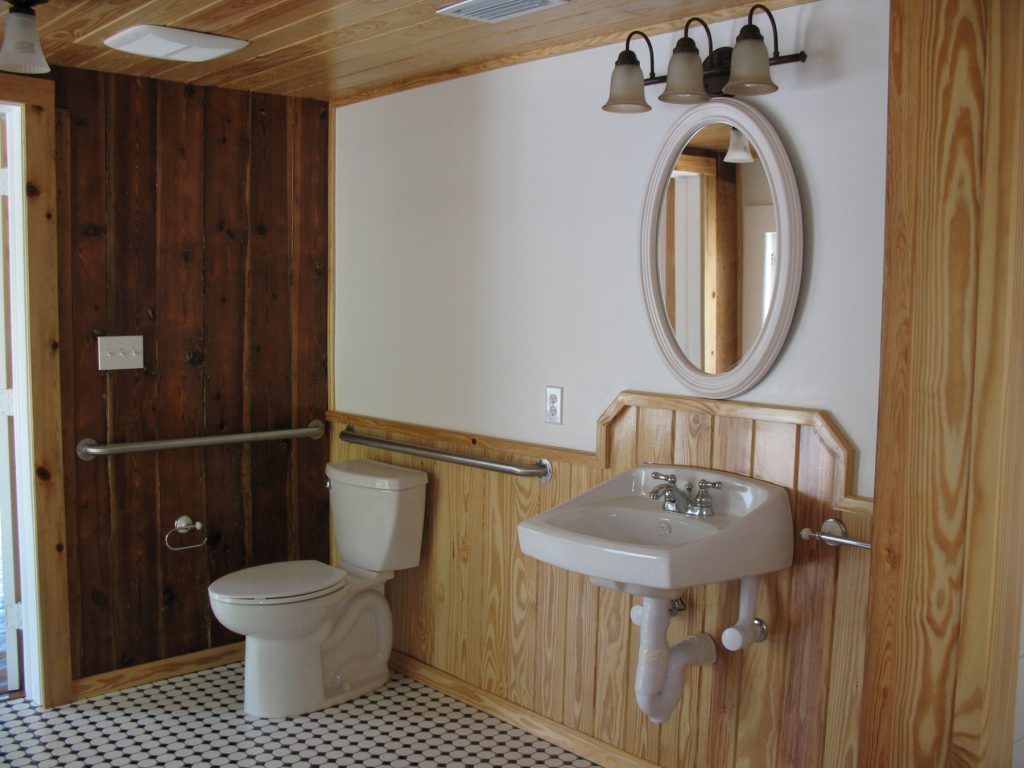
{"x": 542, "y": 469}
{"x": 88, "y": 449}
{"x": 833, "y": 533}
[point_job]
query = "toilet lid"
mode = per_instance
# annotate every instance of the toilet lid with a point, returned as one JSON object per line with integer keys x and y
{"x": 278, "y": 581}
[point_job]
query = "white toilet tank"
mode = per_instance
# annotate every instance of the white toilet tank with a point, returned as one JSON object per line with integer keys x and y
{"x": 377, "y": 512}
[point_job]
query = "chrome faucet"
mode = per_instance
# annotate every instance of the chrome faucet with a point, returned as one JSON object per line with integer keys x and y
{"x": 700, "y": 505}
{"x": 695, "y": 506}
{"x": 668, "y": 492}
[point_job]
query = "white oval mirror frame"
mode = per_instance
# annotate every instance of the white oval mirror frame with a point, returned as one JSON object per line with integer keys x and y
{"x": 781, "y": 181}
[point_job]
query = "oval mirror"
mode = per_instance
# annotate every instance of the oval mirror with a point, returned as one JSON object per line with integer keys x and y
{"x": 721, "y": 248}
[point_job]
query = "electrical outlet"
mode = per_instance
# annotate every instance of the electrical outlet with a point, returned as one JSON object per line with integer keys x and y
{"x": 553, "y": 405}
{"x": 120, "y": 352}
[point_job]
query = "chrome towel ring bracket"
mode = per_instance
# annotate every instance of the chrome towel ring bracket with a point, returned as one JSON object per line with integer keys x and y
{"x": 182, "y": 526}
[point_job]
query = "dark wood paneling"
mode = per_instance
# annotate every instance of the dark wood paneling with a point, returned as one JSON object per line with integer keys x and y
{"x": 310, "y": 227}
{"x": 131, "y": 291}
{"x": 84, "y": 287}
{"x": 269, "y": 331}
{"x": 226, "y": 222}
{"x": 179, "y": 224}
{"x": 179, "y": 356}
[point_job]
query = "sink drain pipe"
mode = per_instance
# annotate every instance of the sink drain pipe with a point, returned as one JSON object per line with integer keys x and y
{"x": 660, "y": 668}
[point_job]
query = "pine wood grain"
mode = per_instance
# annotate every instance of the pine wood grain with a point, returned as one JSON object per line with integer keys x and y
{"x": 759, "y": 723}
{"x": 946, "y": 576}
{"x": 733, "y": 713}
{"x": 353, "y": 49}
{"x": 44, "y": 359}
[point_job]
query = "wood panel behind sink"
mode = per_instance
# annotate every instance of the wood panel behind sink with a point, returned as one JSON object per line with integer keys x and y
{"x": 551, "y": 652}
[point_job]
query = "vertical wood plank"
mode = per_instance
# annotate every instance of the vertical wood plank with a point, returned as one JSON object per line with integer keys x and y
{"x": 310, "y": 229}
{"x": 65, "y": 252}
{"x": 179, "y": 353}
{"x": 846, "y": 674}
{"x": 732, "y": 452}
{"x": 984, "y": 725}
{"x": 521, "y": 674}
{"x": 132, "y": 403}
{"x": 552, "y": 589}
{"x": 776, "y": 456}
{"x": 83, "y": 95}
{"x": 812, "y": 596}
{"x": 654, "y": 443}
{"x": 497, "y": 597}
{"x": 268, "y": 345}
{"x": 226, "y": 224}
{"x": 684, "y": 737}
{"x": 934, "y": 198}
{"x": 612, "y": 697}
{"x": 581, "y": 639}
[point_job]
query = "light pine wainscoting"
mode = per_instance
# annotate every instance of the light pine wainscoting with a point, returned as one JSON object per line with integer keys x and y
{"x": 548, "y": 650}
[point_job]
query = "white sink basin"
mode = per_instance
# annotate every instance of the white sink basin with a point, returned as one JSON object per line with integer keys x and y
{"x": 623, "y": 539}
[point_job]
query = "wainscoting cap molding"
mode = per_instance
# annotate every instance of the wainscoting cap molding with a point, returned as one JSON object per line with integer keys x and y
{"x": 822, "y": 422}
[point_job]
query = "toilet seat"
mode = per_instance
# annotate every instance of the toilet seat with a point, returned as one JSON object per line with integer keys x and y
{"x": 275, "y": 583}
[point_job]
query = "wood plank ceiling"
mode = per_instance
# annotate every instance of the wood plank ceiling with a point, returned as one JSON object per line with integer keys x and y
{"x": 348, "y": 50}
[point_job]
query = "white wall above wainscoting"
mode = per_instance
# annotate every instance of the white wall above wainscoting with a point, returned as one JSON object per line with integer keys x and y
{"x": 487, "y": 238}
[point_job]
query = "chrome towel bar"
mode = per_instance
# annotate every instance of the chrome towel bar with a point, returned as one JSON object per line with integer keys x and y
{"x": 542, "y": 469}
{"x": 88, "y": 449}
{"x": 833, "y": 533}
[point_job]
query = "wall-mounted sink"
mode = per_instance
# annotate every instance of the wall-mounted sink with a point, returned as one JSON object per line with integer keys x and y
{"x": 623, "y": 539}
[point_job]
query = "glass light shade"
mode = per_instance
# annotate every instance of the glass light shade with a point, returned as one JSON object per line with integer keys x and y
{"x": 685, "y": 82}
{"x": 21, "y": 51}
{"x": 739, "y": 148}
{"x": 748, "y": 72}
{"x": 627, "y": 87}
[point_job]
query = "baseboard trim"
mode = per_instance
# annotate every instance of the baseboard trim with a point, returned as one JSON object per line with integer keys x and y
{"x": 585, "y": 746}
{"x": 118, "y": 679}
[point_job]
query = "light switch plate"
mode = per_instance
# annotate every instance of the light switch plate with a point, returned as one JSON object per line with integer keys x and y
{"x": 118, "y": 353}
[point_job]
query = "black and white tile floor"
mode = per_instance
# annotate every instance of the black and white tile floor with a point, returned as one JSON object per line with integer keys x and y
{"x": 197, "y": 720}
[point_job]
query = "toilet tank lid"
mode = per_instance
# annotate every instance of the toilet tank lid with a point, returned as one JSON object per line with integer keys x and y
{"x": 292, "y": 578}
{"x": 375, "y": 474}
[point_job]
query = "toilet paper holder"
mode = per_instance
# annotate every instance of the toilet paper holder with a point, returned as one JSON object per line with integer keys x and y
{"x": 183, "y": 525}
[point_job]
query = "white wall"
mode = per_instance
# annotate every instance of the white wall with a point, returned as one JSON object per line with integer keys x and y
{"x": 487, "y": 239}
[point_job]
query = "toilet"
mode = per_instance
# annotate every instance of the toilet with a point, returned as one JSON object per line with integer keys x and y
{"x": 316, "y": 635}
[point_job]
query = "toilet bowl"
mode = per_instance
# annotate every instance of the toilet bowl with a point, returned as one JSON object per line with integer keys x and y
{"x": 317, "y": 635}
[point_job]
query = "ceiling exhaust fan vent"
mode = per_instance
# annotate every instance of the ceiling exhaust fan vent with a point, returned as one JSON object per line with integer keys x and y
{"x": 497, "y": 10}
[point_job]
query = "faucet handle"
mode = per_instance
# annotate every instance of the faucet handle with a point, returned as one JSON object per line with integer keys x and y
{"x": 664, "y": 478}
{"x": 705, "y": 484}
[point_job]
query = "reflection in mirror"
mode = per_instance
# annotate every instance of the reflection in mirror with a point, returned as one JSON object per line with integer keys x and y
{"x": 718, "y": 237}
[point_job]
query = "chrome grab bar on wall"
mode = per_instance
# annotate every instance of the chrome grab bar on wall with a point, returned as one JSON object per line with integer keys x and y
{"x": 88, "y": 449}
{"x": 833, "y": 533}
{"x": 542, "y": 469}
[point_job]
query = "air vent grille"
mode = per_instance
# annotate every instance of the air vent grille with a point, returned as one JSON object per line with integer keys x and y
{"x": 497, "y": 10}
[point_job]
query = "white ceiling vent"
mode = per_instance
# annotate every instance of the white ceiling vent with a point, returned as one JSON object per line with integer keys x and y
{"x": 497, "y": 10}
{"x": 173, "y": 43}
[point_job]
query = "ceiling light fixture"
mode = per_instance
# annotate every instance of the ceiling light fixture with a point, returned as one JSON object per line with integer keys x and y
{"x": 21, "y": 52}
{"x": 738, "y": 71}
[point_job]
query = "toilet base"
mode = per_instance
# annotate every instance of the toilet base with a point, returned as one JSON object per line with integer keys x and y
{"x": 342, "y": 660}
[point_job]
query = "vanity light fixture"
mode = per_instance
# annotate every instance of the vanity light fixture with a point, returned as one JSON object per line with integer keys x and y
{"x": 22, "y": 52}
{"x": 739, "y": 148}
{"x": 738, "y": 71}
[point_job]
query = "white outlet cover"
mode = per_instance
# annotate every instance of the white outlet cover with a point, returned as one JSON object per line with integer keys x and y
{"x": 119, "y": 353}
